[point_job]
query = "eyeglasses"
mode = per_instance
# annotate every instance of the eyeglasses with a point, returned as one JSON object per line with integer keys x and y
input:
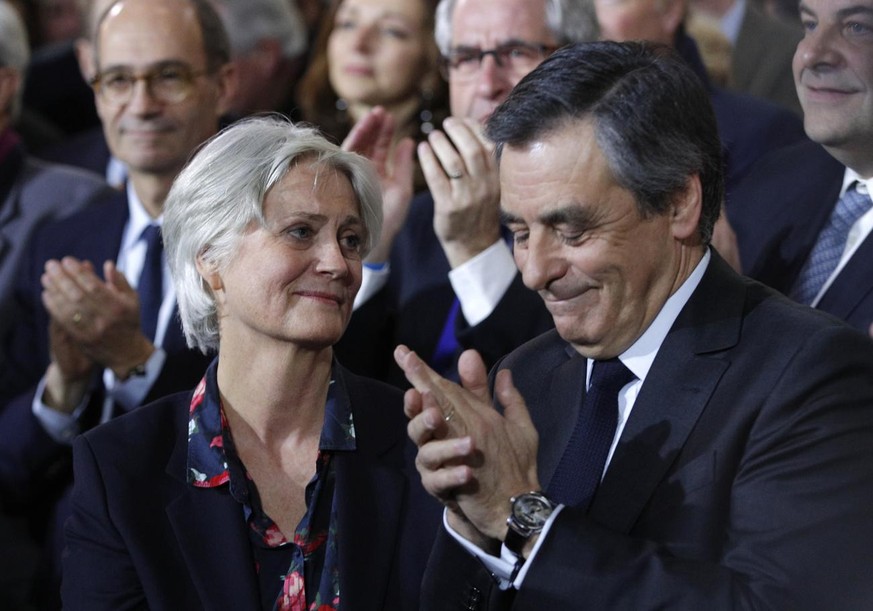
{"x": 168, "y": 83}
{"x": 517, "y": 57}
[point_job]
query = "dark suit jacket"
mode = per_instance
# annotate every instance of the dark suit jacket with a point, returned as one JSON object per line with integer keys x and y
{"x": 777, "y": 214}
{"x": 412, "y": 309}
{"x": 140, "y": 535}
{"x": 33, "y": 192}
{"x": 35, "y": 470}
{"x": 86, "y": 149}
{"x": 762, "y": 56}
{"x": 743, "y": 478}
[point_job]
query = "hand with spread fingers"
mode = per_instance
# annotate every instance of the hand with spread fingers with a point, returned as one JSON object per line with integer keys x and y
{"x": 461, "y": 172}
{"x": 470, "y": 456}
{"x": 371, "y": 137}
{"x": 100, "y": 317}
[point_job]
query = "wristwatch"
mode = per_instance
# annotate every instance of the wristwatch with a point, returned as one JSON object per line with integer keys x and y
{"x": 527, "y": 516}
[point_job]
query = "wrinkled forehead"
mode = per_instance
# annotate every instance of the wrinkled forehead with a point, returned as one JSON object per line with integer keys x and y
{"x": 486, "y": 24}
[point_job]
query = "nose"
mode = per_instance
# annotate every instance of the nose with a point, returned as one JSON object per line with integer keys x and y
{"x": 493, "y": 80}
{"x": 332, "y": 259}
{"x": 362, "y": 40}
{"x": 817, "y": 49}
{"x": 142, "y": 101}
{"x": 539, "y": 262}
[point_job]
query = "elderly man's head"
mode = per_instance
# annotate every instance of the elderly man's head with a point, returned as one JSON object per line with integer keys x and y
{"x": 488, "y": 45}
{"x": 14, "y": 57}
{"x": 611, "y": 181}
{"x": 162, "y": 80}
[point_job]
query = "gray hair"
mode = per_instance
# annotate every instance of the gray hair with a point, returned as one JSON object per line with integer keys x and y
{"x": 250, "y": 21}
{"x": 221, "y": 192}
{"x": 14, "y": 50}
{"x": 568, "y": 20}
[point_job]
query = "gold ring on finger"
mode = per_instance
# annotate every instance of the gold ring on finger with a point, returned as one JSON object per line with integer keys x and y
{"x": 77, "y": 317}
{"x": 449, "y": 415}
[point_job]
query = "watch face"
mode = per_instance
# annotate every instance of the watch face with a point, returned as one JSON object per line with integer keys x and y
{"x": 531, "y": 510}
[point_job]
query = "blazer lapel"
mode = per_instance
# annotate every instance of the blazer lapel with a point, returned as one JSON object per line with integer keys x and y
{"x": 369, "y": 499}
{"x": 567, "y": 390}
{"x": 211, "y": 531}
{"x": 852, "y": 285}
{"x": 676, "y": 391}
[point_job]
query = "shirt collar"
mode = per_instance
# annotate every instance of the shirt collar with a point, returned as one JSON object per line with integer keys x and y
{"x": 866, "y": 184}
{"x": 138, "y": 219}
{"x": 207, "y": 458}
{"x": 732, "y": 21}
{"x": 641, "y": 354}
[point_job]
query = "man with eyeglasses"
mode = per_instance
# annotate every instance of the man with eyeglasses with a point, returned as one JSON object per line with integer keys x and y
{"x": 450, "y": 282}
{"x": 101, "y": 335}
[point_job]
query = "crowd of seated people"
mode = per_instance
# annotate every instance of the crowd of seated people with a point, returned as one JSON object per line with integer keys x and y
{"x": 104, "y": 103}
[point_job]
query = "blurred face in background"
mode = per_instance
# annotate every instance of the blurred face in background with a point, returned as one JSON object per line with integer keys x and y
{"x": 379, "y": 50}
{"x": 477, "y": 88}
{"x": 652, "y": 20}
{"x": 156, "y": 37}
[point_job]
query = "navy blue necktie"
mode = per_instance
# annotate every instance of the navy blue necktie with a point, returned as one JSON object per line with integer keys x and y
{"x": 581, "y": 467}
{"x": 151, "y": 281}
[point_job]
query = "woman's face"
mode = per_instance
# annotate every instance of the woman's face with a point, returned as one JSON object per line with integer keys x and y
{"x": 295, "y": 279}
{"x": 378, "y": 51}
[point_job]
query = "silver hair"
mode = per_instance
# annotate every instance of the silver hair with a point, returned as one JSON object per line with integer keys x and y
{"x": 14, "y": 50}
{"x": 221, "y": 192}
{"x": 250, "y": 21}
{"x": 568, "y": 20}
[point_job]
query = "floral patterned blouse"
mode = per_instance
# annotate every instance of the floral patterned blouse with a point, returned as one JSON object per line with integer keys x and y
{"x": 297, "y": 575}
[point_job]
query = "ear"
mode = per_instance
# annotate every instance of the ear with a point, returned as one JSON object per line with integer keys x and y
{"x": 209, "y": 273}
{"x": 10, "y": 81}
{"x": 85, "y": 57}
{"x": 686, "y": 210}
{"x": 673, "y": 15}
{"x": 227, "y": 85}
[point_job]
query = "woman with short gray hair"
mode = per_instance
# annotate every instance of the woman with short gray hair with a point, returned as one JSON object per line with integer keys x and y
{"x": 283, "y": 481}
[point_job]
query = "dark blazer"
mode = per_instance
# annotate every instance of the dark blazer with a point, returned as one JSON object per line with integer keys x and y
{"x": 140, "y": 535}
{"x": 412, "y": 309}
{"x": 86, "y": 149}
{"x": 761, "y": 58}
{"x": 35, "y": 470}
{"x": 33, "y": 192}
{"x": 743, "y": 478}
{"x": 777, "y": 214}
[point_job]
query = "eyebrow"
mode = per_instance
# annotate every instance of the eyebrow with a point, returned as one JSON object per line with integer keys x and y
{"x": 169, "y": 63}
{"x": 842, "y": 13}
{"x": 565, "y": 215}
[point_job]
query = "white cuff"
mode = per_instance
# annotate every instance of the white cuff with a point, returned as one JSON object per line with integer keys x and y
{"x": 132, "y": 392}
{"x": 60, "y": 426}
{"x": 481, "y": 282}
{"x": 501, "y": 567}
{"x": 372, "y": 281}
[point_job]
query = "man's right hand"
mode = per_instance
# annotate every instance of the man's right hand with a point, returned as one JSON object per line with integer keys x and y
{"x": 461, "y": 172}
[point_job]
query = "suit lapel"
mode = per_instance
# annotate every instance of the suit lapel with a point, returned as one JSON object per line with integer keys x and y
{"x": 567, "y": 390}
{"x": 683, "y": 377}
{"x": 852, "y": 285}
{"x": 369, "y": 498}
{"x": 211, "y": 531}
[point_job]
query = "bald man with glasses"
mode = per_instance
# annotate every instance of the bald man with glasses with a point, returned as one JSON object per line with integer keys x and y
{"x": 101, "y": 335}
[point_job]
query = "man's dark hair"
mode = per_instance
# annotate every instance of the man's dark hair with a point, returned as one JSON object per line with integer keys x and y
{"x": 651, "y": 115}
{"x": 216, "y": 45}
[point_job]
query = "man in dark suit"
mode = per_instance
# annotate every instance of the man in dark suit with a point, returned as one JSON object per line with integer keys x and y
{"x": 446, "y": 275}
{"x": 82, "y": 352}
{"x": 719, "y": 455}
{"x": 791, "y": 207}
